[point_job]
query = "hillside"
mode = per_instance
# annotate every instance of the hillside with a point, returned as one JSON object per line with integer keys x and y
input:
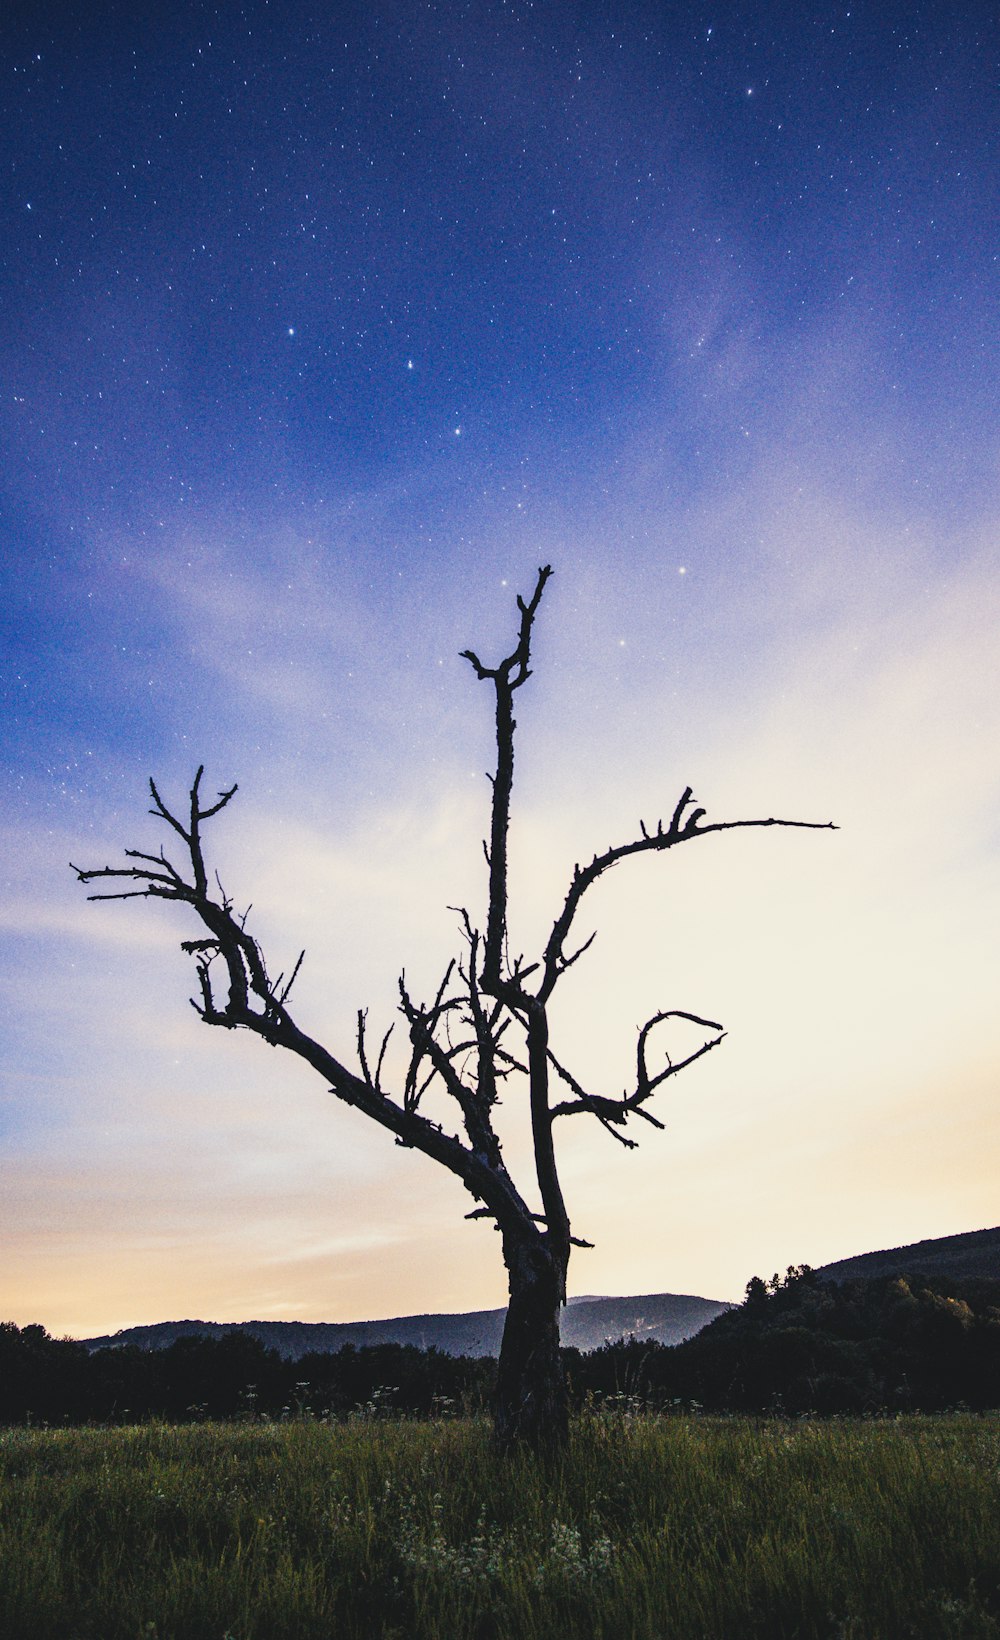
{"x": 803, "y": 1344}
{"x": 972, "y": 1256}
{"x": 587, "y": 1323}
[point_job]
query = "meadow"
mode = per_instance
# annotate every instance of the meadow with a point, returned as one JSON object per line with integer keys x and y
{"x": 680, "y": 1527}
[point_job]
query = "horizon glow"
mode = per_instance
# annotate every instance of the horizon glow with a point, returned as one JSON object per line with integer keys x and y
{"x": 318, "y": 337}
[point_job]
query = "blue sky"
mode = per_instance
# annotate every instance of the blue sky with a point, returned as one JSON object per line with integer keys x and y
{"x": 319, "y": 332}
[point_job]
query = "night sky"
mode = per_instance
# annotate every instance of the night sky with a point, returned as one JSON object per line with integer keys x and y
{"x": 320, "y": 330}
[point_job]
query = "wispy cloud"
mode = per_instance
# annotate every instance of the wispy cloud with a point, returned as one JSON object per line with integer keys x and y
{"x": 820, "y": 658}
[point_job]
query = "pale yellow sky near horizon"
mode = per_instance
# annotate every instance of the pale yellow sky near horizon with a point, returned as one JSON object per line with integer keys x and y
{"x": 169, "y": 1171}
{"x": 315, "y": 346}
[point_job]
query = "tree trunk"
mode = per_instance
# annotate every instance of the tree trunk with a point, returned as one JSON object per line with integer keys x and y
{"x": 531, "y": 1407}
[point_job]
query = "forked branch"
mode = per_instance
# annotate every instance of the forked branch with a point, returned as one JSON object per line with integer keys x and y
{"x": 617, "y": 1111}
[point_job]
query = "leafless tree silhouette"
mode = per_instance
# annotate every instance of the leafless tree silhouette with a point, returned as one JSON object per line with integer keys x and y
{"x": 486, "y": 1029}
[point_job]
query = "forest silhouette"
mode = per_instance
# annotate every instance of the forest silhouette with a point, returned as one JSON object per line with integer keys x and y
{"x": 797, "y": 1344}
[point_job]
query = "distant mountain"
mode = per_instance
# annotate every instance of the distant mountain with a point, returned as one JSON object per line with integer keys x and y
{"x": 587, "y": 1323}
{"x": 975, "y": 1255}
{"x": 669, "y": 1318}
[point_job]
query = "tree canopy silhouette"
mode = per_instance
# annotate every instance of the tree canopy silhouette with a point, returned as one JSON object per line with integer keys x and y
{"x": 487, "y": 1027}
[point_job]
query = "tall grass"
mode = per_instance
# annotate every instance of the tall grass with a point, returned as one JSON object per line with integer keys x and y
{"x": 649, "y": 1529}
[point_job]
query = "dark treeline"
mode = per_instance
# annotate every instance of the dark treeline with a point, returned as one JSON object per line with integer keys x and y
{"x": 796, "y": 1345}
{"x": 56, "y": 1381}
{"x": 804, "y": 1344}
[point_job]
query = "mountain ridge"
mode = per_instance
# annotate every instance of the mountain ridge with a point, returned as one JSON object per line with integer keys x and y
{"x": 586, "y": 1323}
{"x": 971, "y": 1254}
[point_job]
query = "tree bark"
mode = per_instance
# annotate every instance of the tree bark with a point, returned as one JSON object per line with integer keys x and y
{"x": 531, "y": 1407}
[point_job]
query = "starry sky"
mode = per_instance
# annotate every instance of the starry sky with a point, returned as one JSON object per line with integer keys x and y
{"x": 320, "y": 329}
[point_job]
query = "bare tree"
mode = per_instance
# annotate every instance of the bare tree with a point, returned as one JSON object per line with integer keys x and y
{"x": 487, "y": 1026}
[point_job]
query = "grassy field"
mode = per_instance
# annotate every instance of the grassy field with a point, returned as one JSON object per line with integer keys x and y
{"x": 651, "y": 1529}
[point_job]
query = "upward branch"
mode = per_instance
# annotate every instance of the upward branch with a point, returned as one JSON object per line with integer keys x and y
{"x": 509, "y": 675}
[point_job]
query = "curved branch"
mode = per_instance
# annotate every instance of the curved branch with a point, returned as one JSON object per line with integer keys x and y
{"x": 618, "y": 1111}
{"x": 644, "y": 1083}
{"x": 650, "y": 842}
